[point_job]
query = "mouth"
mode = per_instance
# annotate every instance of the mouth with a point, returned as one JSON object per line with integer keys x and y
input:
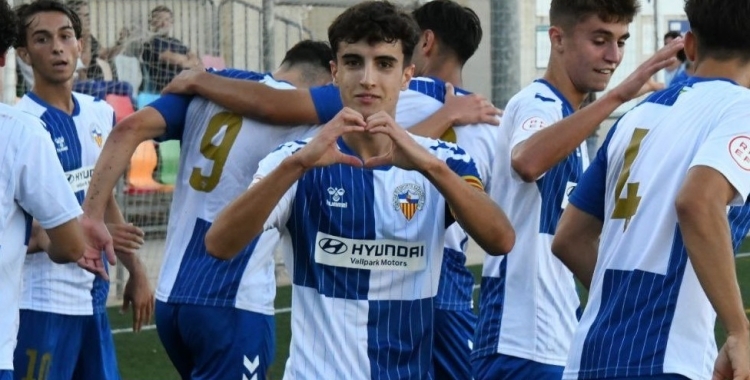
{"x": 60, "y": 64}
{"x": 605, "y": 71}
{"x": 367, "y": 98}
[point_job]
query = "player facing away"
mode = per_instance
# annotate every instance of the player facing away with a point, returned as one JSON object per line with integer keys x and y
{"x": 28, "y": 155}
{"x": 366, "y": 259}
{"x": 528, "y": 300}
{"x": 214, "y": 317}
{"x": 652, "y": 225}
{"x": 63, "y": 316}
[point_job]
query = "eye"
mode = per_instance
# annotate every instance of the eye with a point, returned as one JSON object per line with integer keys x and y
{"x": 40, "y": 40}
{"x": 385, "y": 64}
{"x": 351, "y": 62}
{"x": 599, "y": 42}
{"x": 621, "y": 44}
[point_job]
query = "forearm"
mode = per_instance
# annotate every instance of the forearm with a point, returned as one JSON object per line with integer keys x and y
{"x": 546, "y": 148}
{"x": 257, "y": 101}
{"x": 705, "y": 231}
{"x": 243, "y": 219}
{"x": 579, "y": 255}
{"x": 129, "y": 260}
{"x": 435, "y": 125}
{"x": 473, "y": 209}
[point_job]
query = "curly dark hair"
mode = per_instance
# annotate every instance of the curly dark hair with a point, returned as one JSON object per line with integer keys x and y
{"x": 721, "y": 28}
{"x": 455, "y": 26}
{"x": 567, "y": 13}
{"x": 25, "y": 12}
{"x": 8, "y": 27}
{"x": 375, "y": 21}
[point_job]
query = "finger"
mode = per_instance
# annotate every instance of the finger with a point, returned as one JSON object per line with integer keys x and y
{"x": 352, "y": 118}
{"x": 380, "y": 129}
{"x": 374, "y": 162}
{"x": 349, "y": 129}
{"x": 449, "y": 90}
{"x": 491, "y": 120}
{"x": 137, "y": 319}
{"x": 350, "y": 160}
{"x": 125, "y": 305}
{"x": 109, "y": 251}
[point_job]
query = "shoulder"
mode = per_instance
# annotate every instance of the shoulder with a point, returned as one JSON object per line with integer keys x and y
{"x": 442, "y": 149}
{"x": 20, "y": 125}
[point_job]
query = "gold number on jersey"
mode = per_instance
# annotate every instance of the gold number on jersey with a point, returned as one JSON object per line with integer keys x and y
{"x": 625, "y": 208}
{"x": 225, "y": 126}
{"x": 43, "y": 365}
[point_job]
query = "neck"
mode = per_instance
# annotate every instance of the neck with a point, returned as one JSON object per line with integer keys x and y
{"x": 735, "y": 70}
{"x": 288, "y": 76}
{"x": 448, "y": 71}
{"x": 367, "y": 145}
{"x": 557, "y": 77}
{"x": 58, "y": 95}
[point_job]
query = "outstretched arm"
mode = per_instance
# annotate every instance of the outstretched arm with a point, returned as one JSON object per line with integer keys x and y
{"x": 547, "y": 147}
{"x": 456, "y": 111}
{"x": 250, "y": 99}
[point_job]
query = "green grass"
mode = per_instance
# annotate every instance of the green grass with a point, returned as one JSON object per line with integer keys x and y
{"x": 141, "y": 356}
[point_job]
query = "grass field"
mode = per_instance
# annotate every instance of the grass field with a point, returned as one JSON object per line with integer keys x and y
{"x": 141, "y": 356}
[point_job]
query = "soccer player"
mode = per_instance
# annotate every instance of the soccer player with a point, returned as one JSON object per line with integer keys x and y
{"x": 365, "y": 204}
{"x": 64, "y": 328}
{"x": 651, "y": 227}
{"x": 214, "y": 317}
{"x": 528, "y": 299}
{"x": 27, "y": 156}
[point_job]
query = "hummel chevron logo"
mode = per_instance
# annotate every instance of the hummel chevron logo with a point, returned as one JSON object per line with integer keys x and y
{"x": 251, "y": 366}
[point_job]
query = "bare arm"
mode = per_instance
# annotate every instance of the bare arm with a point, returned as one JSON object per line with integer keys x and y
{"x": 187, "y": 61}
{"x": 457, "y": 110}
{"x": 576, "y": 242}
{"x": 248, "y": 98}
{"x": 701, "y": 212}
{"x": 66, "y": 242}
{"x": 540, "y": 152}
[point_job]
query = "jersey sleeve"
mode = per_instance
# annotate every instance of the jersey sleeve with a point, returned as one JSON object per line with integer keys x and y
{"x": 727, "y": 150}
{"x": 283, "y": 209}
{"x": 588, "y": 196}
{"x": 50, "y": 201}
{"x": 173, "y": 108}
{"x": 459, "y": 161}
{"x": 327, "y": 101}
{"x": 530, "y": 117}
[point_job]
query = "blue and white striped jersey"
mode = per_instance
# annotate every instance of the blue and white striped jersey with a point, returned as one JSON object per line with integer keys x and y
{"x": 424, "y": 97}
{"x": 33, "y": 185}
{"x": 647, "y": 314}
{"x": 220, "y": 152}
{"x": 528, "y": 299}
{"x": 367, "y": 247}
{"x": 78, "y": 138}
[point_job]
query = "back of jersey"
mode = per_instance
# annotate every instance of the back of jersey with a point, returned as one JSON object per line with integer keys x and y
{"x": 647, "y": 313}
{"x": 220, "y": 154}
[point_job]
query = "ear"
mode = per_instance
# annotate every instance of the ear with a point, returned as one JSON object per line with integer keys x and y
{"x": 691, "y": 46}
{"x": 2, "y": 59}
{"x": 408, "y": 74}
{"x": 428, "y": 41}
{"x": 334, "y": 72}
{"x": 80, "y": 46}
{"x": 556, "y": 35}
{"x": 24, "y": 54}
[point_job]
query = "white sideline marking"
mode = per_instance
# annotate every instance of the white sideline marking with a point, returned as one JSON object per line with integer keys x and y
{"x": 289, "y": 309}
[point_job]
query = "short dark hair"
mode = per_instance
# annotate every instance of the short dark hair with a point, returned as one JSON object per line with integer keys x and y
{"x": 374, "y": 22}
{"x": 455, "y": 26}
{"x": 721, "y": 28}
{"x": 672, "y": 34}
{"x": 316, "y": 53}
{"x": 25, "y": 12}
{"x": 567, "y": 13}
{"x": 8, "y": 27}
{"x": 76, "y": 5}
{"x": 161, "y": 8}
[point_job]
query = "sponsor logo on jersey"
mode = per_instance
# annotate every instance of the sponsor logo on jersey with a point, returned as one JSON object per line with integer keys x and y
{"x": 380, "y": 254}
{"x": 408, "y": 198}
{"x": 60, "y": 144}
{"x": 739, "y": 148}
{"x": 96, "y": 134}
{"x": 79, "y": 179}
{"x": 533, "y": 124}
{"x": 336, "y": 195}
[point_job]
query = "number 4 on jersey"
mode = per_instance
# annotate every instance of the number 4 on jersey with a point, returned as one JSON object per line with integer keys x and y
{"x": 625, "y": 208}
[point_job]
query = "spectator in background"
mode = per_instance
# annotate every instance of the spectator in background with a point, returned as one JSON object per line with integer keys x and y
{"x": 90, "y": 47}
{"x": 677, "y": 68}
{"x": 165, "y": 56}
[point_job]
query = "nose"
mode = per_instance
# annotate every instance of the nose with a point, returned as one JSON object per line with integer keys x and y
{"x": 368, "y": 75}
{"x": 57, "y": 45}
{"x": 613, "y": 53}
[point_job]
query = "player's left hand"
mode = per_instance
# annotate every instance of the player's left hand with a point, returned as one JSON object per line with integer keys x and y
{"x": 184, "y": 82}
{"x": 126, "y": 238}
{"x": 140, "y": 295}
{"x": 405, "y": 152}
{"x": 97, "y": 239}
{"x": 470, "y": 109}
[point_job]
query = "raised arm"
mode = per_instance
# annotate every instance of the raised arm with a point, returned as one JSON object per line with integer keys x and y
{"x": 547, "y": 147}
{"x": 701, "y": 209}
{"x": 457, "y": 110}
{"x": 250, "y": 99}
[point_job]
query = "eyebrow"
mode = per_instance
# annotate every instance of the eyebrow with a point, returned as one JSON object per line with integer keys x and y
{"x": 388, "y": 58}
{"x": 351, "y": 56}
{"x": 607, "y": 33}
{"x": 49, "y": 33}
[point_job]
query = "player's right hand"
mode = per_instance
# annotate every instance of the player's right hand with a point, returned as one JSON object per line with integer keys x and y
{"x": 97, "y": 239}
{"x": 733, "y": 362}
{"x": 470, "y": 109}
{"x": 631, "y": 86}
{"x": 184, "y": 82}
{"x": 323, "y": 149}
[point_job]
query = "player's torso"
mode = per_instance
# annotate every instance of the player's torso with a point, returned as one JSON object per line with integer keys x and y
{"x": 78, "y": 140}
{"x": 220, "y": 152}
{"x": 642, "y": 266}
{"x": 529, "y": 302}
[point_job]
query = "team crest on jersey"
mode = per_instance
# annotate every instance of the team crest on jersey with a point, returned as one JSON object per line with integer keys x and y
{"x": 336, "y": 195}
{"x": 408, "y": 198}
{"x": 60, "y": 144}
{"x": 739, "y": 148}
{"x": 96, "y": 134}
